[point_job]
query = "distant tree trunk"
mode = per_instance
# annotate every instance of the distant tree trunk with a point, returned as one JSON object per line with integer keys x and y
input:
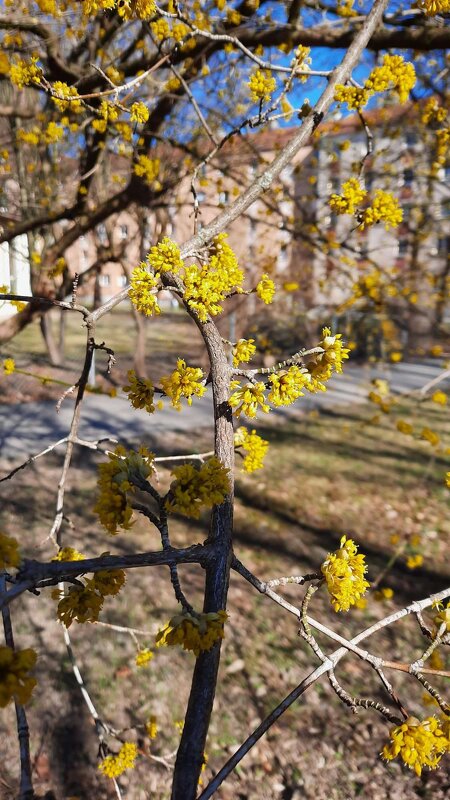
{"x": 53, "y": 349}
{"x": 140, "y": 367}
{"x": 62, "y": 333}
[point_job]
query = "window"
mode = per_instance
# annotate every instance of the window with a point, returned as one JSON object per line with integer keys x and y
{"x": 408, "y": 175}
{"x": 223, "y": 198}
{"x": 283, "y": 257}
{"x": 411, "y": 139}
{"x": 200, "y": 197}
{"x": 402, "y": 247}
{"x": 443, "y": 247}
{"x": 121, "y": 280}
{"x": 104, "y": 280}
{"x": 123, "y": 231}
{"x": 102, "y": 234}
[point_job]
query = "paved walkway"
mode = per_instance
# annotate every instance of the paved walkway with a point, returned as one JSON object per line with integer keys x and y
{"x": 28, "y": 428}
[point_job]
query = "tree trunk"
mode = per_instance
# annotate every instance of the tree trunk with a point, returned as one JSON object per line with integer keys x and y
{"x": 53, "y": 350}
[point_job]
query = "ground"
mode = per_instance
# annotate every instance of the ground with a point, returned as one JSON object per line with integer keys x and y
{"x": 329, "y": 473}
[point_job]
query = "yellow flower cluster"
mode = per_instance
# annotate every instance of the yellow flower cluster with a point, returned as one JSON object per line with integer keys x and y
{"x": 197, "y": 634}
{"x": 108, "y": 112}
{"x": 69, "y": 554}
{"x": 261, "y": 85}
{"x": 287, "y": 385}
{"x": 265, "y": 289}
{"x": 129, "y": 9}
{"x": 351, "y": 198}
{"x": 15, "y": 683}
{"x": 206, "y": 287}
{"x": 142, "y": 290}
{"x": 113, "y": 766}
{"x": 84, "y": 603}
{"x": 50, "y": 135}
{"x": 345, "y": 8}
{"x": 196, "y": 488}
{"x": 394, "y": 74}
{"x": 67, "y": 99}
{"x": 418, "y": 743}
{"x": 433, "y": 112}
{"x": 249, "y": 399}
{"x": 254, "y": 446}
{"x": 24, "y": 73}
{"x": 9, "y": 366}
{"x": 324, "y": 364}
{"x": 140, "y": 392}
{"x": 344, "y": 573}
{"x": 139, "y": 112}
{"x": 165, "y": 257}
{"x": 114, "y": 482}
{"x": 143, "y": 657}
{"x": 243, "y": 350}
{"x": 151, "y": 727}
{"x": 415, "y": 561}
{"x": 384, "y": 208}
{"x": 356, "y": 97}
{"x": 183, "y": 382}
{"x": 48, "y": 7}
{"x": 9, "y": 552}
{"x": 148, "y": 169}
{"x": 441, "y": 149}
{"x": 433, "y": 7}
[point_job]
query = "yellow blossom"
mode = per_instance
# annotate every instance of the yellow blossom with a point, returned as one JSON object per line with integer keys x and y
{"x": 9, "y": 552}
{"x": 148, "y": 169}
{"x": 151, "y": 727}
{"x": 261, "y": 85}
{"x": 195, "y": 633}
{"x": 287, "y": 385}
{"x": 140, "y": 392}
{"x": 384, "y": 208}
{"x": 404, "y": 427}
{"x": 254, "y": 446}
{"x": 447, "y": 480}
{"x": 385, "y": 593}
{"x": 440, "y": 398}
{"x": 107, "y": 582}
{"x": 183, "y": 382}
{"x": 394, "y": 73}
{"x": 165, "y": 257}
{"x": 243, "y": 351}
{"x": 9, "y": 366}
{"x": 68, "y": 554}
{"x": 355, "y": 97}
{"x": 248, "y": 399}
{"x": 344, "y": 573}
{"x": 413, "y": 562}
{"x": 15, "y": 682}
{"x": 430, "y": 436}
{"x": 24, "y": 73}
{"x": 207, "y": 286}
{"x": 396, "y": 356}
{"x": 265, "y": 289}
{"x": 350, "y": 199}
{"x": 142, "y": 291}
{"x": 66, "y": 97}
{"x": 115, "y": 480}
{"x": 196, "y": 488}
{"x": 114, "y": 766}
{"x": 418, "y": 743}
{"x": 80, "y": 604}
{"x": 139, "y": 112}
{"x": 143, "y": 657}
